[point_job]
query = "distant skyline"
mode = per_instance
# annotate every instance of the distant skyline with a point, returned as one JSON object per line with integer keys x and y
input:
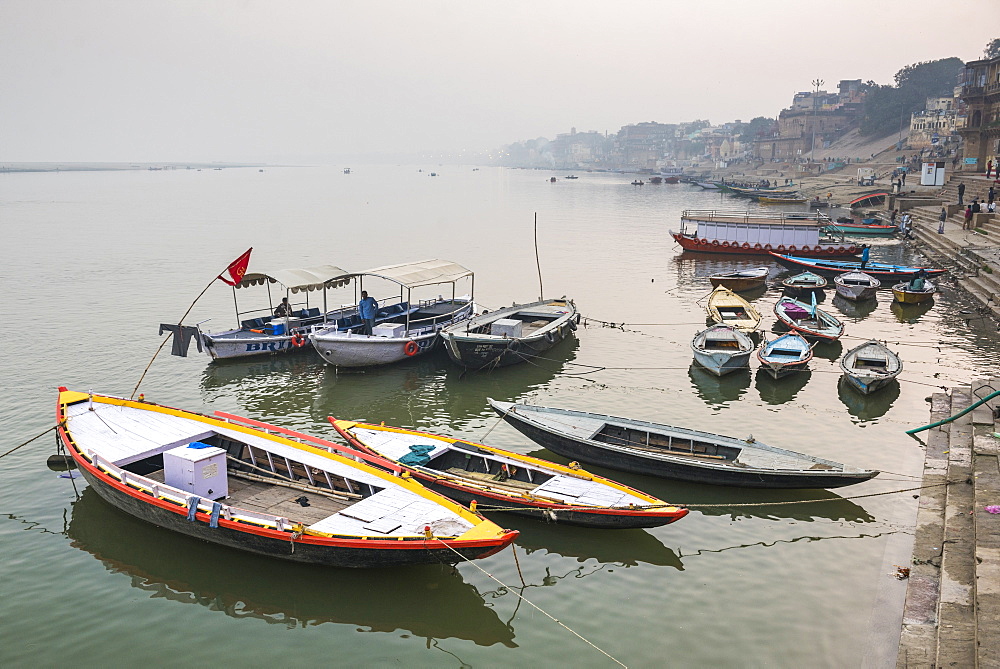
{"x": 318, "y": 81}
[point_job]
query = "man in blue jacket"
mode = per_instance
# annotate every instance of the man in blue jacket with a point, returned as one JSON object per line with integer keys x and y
{"x": 366, "y": 310}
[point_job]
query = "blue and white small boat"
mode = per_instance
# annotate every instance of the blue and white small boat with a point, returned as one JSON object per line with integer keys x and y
{"x": 787, "y": 354}
{"x": 870, "y": 367}
{"x": 722, "y": 349}
{"x": 879, "y": 270}
{"x": 804, "y": 283}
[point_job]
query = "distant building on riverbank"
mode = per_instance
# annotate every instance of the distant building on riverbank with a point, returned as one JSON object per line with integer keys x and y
{"x": 979, "y": 89}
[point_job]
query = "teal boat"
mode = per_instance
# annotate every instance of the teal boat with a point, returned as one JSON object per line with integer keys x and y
{"x": 871, "y": 229}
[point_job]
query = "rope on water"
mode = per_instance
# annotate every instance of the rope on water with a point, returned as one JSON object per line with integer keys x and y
{"x": 486, "y": 507}
{"x": 57, "y": 425}
{"x": 538, "y": 608}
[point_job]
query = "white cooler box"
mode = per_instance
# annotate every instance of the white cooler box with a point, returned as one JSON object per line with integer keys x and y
{"x": 508, "y": 327}
{"x": 391, "y": 330}
{"x": 197, "y": 469}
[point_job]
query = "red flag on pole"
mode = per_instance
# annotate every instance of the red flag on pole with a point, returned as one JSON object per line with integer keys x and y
{"x": 237, "y": 268}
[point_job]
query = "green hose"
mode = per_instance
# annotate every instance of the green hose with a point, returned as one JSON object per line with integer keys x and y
{"x": 958, "y": 415}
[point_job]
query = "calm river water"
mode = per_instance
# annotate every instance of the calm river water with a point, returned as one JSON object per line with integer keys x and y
{"x": 95, "y": 261}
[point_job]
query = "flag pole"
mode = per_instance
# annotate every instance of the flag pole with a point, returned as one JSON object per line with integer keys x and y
{"x": 169, "y": 335}
{"x": 236, "y": 270}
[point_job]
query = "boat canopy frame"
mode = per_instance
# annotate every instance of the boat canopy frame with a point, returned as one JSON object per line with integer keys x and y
{"x": 417, "y": 274}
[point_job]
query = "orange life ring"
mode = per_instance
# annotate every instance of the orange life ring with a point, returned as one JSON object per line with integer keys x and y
{"x": 781, "y": 248}
{"x": 725, "y": 245}
{"x": 746, "y": 245}
{"x": 411, "y": 348}
{"x": 832, "y": 251}
{"x": 791, "y": 249}
{"x": 298, "y": 341}
{"x": 703, "y": 241}
{"x": 768, "y": 247}
{"x": 758, "y": 246}
{"x": 715, "y": 242}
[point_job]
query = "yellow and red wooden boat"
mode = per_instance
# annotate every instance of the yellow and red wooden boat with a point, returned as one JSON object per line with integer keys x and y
{"x": 467, "y": 471}
{"x": 264, "y": 489}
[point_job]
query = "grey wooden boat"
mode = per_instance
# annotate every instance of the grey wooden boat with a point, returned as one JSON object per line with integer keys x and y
{"x": 870, "y": 367}
{"x": 722, "y": 349}
{"x": 674, "y": 452}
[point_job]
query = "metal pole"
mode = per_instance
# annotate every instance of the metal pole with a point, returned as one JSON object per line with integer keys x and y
{"x": 541, "y": 291}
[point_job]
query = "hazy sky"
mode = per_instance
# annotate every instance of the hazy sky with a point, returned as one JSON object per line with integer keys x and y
{"x": 273, "y": 80}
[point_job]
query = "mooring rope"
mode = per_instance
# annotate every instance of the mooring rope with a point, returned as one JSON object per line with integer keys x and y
{"x": 538, "y": 608}
{"x": 665, "y": 505}
{"x": 47, "y": 430}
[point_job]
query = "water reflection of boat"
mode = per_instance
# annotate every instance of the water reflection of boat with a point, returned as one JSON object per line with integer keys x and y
{"x": 855, "y": 310}
{"x": 828, "y": 350}
{"x": 866, "y": 407}
{"x": 628, "y": 547}
{"x": 774, "y": 391}
{"x": 910, "y": 313}
{"x": 719, "y": 389}
{"x": 430, "y": 601}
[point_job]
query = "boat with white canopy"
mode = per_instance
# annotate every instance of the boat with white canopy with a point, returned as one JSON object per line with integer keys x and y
{"x": 405, "y": 329}
{"x": 260, "y": 332}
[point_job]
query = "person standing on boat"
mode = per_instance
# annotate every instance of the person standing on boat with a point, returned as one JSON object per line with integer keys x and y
{"x": 366, "y": 310}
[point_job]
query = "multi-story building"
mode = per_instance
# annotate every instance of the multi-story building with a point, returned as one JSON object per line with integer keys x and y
{"x": 936, "y": 126}
{"x": 979, "y": 86}
{"x": 815, "y": 119}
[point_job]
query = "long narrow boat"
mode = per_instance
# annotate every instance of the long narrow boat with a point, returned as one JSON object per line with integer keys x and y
{"x": 784, "y": 355}
{"x": 856, "y": 286}
{"x": 906, "y": 293}
{"x": 264, "y": 489}
{"x": 808, "y": 320}
{"x": 510, "y": 335}
{"x": 780, "y": 199}
{"x": 831, "y": 268}
{"x": 469, "y": 472}
{"x": 722, "y": 349}
{"x": 870, "y": 366}
{"x": 740, "y": 280}
{"x": 870, "y": 229}
{"x": 804, "y": 283}
{"x": 404, "y": 330}
{"x": 674, "y": 452}
{"x": 727, "y": 308}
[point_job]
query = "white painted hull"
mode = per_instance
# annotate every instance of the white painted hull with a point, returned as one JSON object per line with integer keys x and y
{"x": 856, "y": 293}
{"x": 345, "y": 349}
{"x": 721, "y": 364}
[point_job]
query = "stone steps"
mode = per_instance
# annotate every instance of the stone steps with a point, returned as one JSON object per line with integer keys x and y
{"x": 956, "y": 611}
{"x": 987, "y": 476}
{"x": 918, "y": 639}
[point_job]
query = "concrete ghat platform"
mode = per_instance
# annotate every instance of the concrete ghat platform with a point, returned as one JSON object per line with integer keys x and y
{"x": 952, "y": 613}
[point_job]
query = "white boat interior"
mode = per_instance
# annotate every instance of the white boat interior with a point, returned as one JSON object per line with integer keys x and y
{"x": 495, "y": 470}
{"x": 257, "y": 476}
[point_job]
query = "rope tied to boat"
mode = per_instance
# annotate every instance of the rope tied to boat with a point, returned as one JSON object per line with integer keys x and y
{"x": 535, "y": 606}
{"x": 61, "y": 423}
{"x": 665, "y": 505}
